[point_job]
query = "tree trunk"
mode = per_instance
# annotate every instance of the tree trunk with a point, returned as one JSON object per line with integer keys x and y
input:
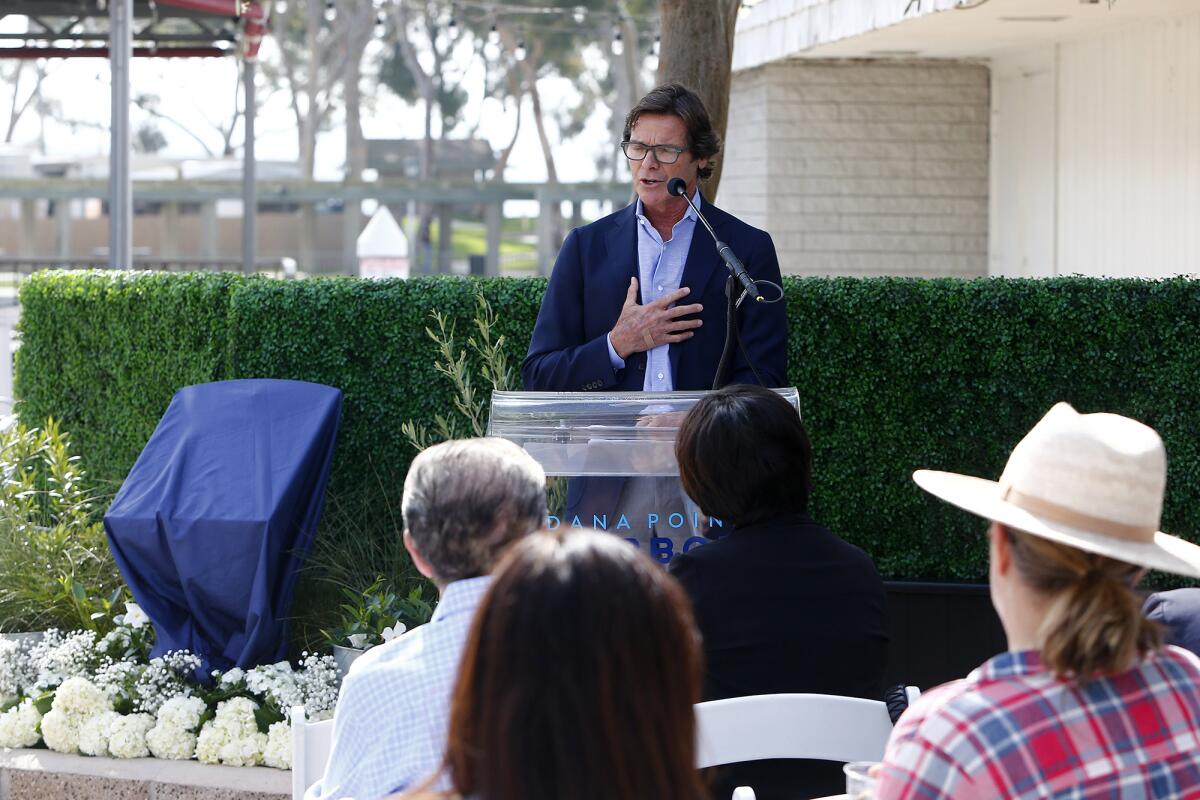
{"x": 311, "y": 123}
{"x": 422, "y": 251}
{"x": 551, "y": 216}
{"x": 502, "y": 160}
{"x": 356, "y": 143}
{"x": 626, "y": 78}
{"x": 697, "y": 51}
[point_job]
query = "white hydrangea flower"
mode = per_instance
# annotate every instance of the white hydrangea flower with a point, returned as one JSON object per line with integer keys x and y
{"x": 75, "y": 701}
{"x": 19, "y": 726}
{"x": 94, "y": 732}
{"x": 171, "y": 742}
{"x": 232, "y": 736}
{"x": 209, "y": 743}
{"x": 60, "y": 731}
{"x": 81, "y": 698}
{"x": 278, "y": 753}
{"x": 182, "y": 712}
{"x": 127, "y": 736}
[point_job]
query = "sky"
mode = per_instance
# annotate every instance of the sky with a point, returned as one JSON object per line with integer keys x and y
{"x": 198, "y": 92}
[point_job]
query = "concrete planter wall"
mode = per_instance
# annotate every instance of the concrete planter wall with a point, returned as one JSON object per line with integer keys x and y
{"x": 42, "y": 774}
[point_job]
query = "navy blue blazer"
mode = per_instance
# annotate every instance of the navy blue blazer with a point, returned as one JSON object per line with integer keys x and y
{"x": 569, "y": 352}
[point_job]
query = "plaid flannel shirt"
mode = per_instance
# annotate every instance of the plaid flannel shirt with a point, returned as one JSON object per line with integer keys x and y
{"x": 1011, "y": 729}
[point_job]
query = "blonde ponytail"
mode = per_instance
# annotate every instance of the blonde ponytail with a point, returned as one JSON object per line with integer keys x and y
{"x": 1094, "y": 624}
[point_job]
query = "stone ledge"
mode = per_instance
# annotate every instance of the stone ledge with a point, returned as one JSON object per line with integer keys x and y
{"x": 40, "y": 774}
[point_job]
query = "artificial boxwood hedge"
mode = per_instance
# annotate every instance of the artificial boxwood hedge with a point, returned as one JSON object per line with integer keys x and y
{"x": 893, "y": 374}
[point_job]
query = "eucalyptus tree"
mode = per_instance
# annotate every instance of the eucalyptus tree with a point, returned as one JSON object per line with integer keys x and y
{"x": 421, "y": 65}
{"x": 522, "y": 44}
{"x": 312, "y": 57}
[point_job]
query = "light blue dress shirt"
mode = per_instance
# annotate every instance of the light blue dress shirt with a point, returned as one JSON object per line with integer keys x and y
{"x": 389, "y": 729}
{"x": 660, "y": 270}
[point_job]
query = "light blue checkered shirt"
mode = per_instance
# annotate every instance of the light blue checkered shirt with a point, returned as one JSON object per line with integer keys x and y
{"x": 389, "y": 730}
{"x": 660, "y": 269}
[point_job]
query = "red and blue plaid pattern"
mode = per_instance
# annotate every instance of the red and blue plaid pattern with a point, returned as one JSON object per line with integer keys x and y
{"x": 1011, "y": 729}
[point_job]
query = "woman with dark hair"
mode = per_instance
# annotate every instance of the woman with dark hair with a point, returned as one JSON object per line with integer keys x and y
{"x": 782, "y": 603}
{"x": 578, "y": 679}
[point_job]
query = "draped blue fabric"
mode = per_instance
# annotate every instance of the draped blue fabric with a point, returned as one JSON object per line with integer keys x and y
{"x": 218, "y": 513}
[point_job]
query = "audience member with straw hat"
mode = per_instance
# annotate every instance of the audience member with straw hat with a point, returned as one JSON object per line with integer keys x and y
{"x": 1087, "y": 702}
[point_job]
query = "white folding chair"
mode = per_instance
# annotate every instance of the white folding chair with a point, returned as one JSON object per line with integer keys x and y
{"x": 816, "y": 726}
{"x": 311, "y": 743}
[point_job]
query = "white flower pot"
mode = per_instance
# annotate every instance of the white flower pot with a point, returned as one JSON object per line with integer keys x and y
{"x": 344, "y": 657}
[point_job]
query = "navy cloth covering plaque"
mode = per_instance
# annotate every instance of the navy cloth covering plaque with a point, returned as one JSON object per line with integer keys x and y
{"x": 218, "y": 513}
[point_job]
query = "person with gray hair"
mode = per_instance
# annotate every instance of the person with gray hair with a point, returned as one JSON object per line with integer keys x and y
{"x": 464, "y": 503}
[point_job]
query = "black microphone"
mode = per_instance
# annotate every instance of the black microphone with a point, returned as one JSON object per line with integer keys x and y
{"x": 678, "y": 188}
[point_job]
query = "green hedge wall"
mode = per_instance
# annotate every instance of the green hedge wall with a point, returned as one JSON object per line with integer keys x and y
{"x": 893, "y": 374}
{"x": 103, "y": 352}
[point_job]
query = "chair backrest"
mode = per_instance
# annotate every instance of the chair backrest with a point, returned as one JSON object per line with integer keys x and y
{"x": 311, "y": 743}
{"x": 817, "y": 726}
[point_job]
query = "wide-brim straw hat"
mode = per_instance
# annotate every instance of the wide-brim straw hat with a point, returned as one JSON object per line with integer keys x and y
{"x": 1090, "y": 481}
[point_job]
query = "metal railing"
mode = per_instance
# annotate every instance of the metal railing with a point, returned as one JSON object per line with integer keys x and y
{"x": 15, "y": 269}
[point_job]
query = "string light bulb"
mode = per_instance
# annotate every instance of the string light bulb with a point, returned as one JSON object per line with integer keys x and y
{"x": 520, "y": 52}
{"x": 579, "y": 15}
{"x": 618, "y": 44}
{"x": 657, "y": 44}
{"x": 380, "y": 23}
{"x": 452, "y": 27}
{"x": 330, "y": 10}
{"x": 494, "y": 36}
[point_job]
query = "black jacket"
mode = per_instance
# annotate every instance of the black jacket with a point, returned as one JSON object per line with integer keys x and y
{"x": 786, "y": 606}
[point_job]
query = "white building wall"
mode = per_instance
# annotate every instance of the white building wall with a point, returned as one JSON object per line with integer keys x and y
{"x": 1023, "y": 166}
{"x": 1096, "y": 154}
{"x": 863, "y": 167}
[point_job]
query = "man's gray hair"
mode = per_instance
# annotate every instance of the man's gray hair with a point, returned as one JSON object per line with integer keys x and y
{"x": 466, "y": 500}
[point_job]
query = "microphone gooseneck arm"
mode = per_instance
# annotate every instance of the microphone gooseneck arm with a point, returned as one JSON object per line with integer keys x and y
{"x": 678, "y": 187}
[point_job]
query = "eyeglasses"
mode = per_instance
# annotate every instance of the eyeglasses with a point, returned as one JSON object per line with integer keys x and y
{"x": 663, "y": 153}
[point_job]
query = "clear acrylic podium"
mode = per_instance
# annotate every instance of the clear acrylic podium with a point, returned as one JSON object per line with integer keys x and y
{"x": 600, "y": 441}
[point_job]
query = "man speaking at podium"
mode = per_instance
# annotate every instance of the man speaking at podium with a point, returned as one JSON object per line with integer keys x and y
{"x": 636, "y": 301}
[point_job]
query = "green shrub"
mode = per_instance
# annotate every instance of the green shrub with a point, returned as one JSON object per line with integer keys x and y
{"x": 894, "y": 374}
{"x": 899, "y": 374}
{"x": 103, "y": 352}
{"x": 55, "y": 567}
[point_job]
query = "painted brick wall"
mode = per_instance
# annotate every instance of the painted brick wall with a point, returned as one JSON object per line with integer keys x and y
{"x": 863, "y": 167}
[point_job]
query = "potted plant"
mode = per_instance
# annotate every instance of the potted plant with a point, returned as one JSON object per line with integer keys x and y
{"x": 373, "y": 616}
